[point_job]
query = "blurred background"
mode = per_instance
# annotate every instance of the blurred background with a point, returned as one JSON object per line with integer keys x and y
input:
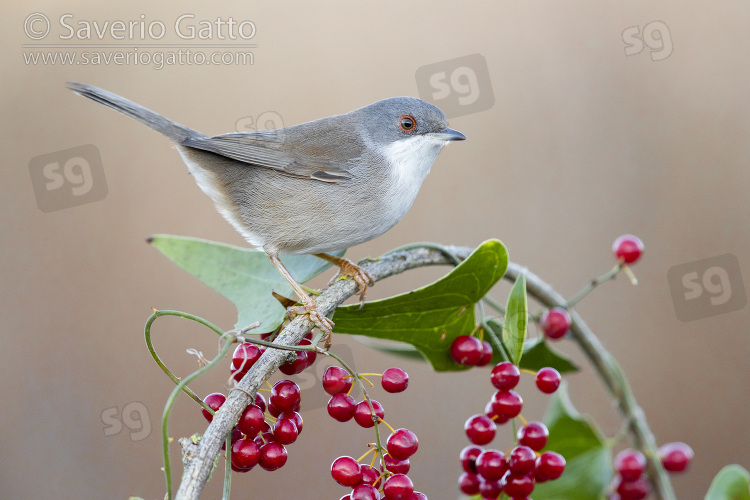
{"x": 585, "y": 120}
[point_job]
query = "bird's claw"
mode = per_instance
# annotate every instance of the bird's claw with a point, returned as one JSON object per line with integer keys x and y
{"x": 309, "y": 308}
{"x": 359, "y": 275}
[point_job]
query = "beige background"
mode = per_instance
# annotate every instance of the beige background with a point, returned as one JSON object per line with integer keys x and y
{"x": 583, "y": 144}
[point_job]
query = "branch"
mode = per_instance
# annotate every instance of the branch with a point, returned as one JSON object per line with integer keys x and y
{"x": 199, "y": 458}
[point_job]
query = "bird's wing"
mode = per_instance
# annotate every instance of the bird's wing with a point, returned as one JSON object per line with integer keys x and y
{"x": 271, "y": 149}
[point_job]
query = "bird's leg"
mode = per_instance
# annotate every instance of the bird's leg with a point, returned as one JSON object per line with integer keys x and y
{"x": 349, "y": 268}
{"x": 308, "y": 305}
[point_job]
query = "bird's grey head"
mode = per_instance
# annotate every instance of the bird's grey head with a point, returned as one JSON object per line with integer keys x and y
{"x": 405, "y": 118}
{"x": 408, "y": 133}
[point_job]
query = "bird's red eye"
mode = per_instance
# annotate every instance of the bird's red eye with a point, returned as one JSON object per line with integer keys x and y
{"x": 407, "y": 123}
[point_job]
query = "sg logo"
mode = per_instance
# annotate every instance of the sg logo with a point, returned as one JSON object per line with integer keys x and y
{"x": 655, "y": 36}
{"x": 135, "y": 417}
{"x": 707, "y": 287}
{"x": 268, "y": 120}
{"x": 459, "y": 86}
{"x": 68, "y": 178}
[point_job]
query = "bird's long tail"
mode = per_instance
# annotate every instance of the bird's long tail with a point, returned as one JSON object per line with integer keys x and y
{"x": 178, "y": 133}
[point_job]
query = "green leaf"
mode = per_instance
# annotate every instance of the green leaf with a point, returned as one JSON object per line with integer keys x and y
{"x": 537, "y": 354}
{"x": 494, "y": 335}
{"x": 516, "y": 318}
{"x": 431, "y": 317}
{"x": 731, "y": 483}
{"x": 588, "y": 469}
{"x": 243, "y": 275}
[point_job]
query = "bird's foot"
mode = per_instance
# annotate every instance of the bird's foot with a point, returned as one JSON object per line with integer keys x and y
{"x": 309, "y": 308}
{"x": 359, "y": 275}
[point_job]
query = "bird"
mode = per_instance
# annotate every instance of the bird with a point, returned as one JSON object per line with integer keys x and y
{"x": 313, "y": 188}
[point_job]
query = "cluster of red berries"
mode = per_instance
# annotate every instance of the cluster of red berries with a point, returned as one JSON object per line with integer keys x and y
{"x": 254, "y": 440}
{"x": 630, "y": 483}
{"x": 366, "y": 481}
{"x": 490, "y": 472}
{"x": 263, "y": 431}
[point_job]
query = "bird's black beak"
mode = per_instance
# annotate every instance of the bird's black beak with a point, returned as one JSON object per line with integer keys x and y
{"x": 448, "y": 134}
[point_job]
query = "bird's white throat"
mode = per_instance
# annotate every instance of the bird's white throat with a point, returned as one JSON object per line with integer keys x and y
{"x": 410, "y": 160}
{"x": 412, "y": 157}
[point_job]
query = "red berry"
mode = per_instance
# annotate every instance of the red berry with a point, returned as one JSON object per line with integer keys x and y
{"x": 490, "y": 489}
{"x": 238, "y": 469}
{"x": 632, "y": 490}
{"x": 346, "y": 471}
{"x": 418, "y": 495}
{"x": 294, "y": 417}
{"x": 507, "y": 404}
{"x": 370, "y": 475}
{"x": 285, "y": 396}
{"x": 548, "y": 380}
{"x": 505, "y": 376}
{"x": 251, "y": 421}
{"x": 297, "y": 366}
{"x": 676, "y": 457}
{"x": 486, "y": 354}
{"x": 245, "y": 454}
{"x": 363, "y": 414}
{"x": 285, "y": 431}
{"x": 627, "y": 248}
{"x": 336, "y": 380}
{"x": 490, "y": 412}
{"x": 522, "y": 460}
{"x": 235, "y": 436}
{"x": 468, "y": 457}
{"x": 272, "y": 455}
{"x": 466, "y": 350}
{"x": 244, "y": 357}
{"x": 214, "y": 401}
{"x": 534, "y": 435}
{"x": 395, "y": 380}
{"x": 630, "y": 464}
{"x": 341, "y": 407}
{"x": 311, "y": 355}
{"x": 402, "y": 444}
{"x": 260, "y": 401}
{"x": 263, "y": 438}
{"x": 491, "y": 465}
{"x": 396, "y": 466}
{"x": 555, "y": 323}
{"x": 398, "y": 487}
{"x": 365, "y": 492}
{"x": 275, "y": 412}
{"x": 550, "y": 465}
{"x": 517, "y": 486}
{"x": 468, "y": 483}
{"x": 480, "y": 429}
